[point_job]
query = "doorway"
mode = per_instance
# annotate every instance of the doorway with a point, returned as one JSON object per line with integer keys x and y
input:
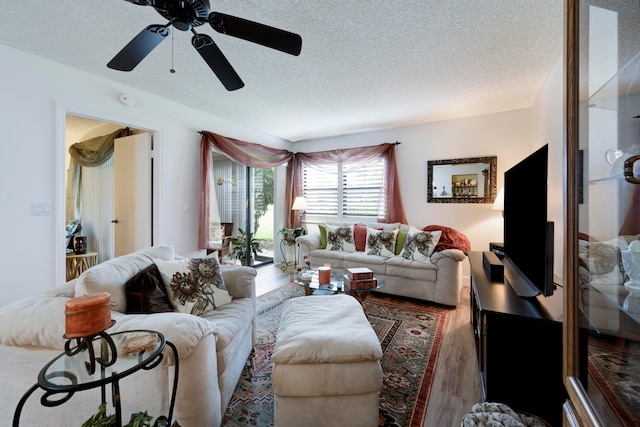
{"x": 75, "y": 126}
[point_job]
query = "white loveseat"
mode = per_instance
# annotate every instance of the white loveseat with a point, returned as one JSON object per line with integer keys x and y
{"x": 438, "y": 278}
{"x": 213, "y": 348}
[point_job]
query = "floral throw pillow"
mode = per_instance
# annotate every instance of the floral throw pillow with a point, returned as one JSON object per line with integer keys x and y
{"x": 381, "y": 242}
{"x": 420, "y": 244}
{"x": 601, "y": 262}
{"x": 194, "y": 285}
{"x": 340, "y": 238}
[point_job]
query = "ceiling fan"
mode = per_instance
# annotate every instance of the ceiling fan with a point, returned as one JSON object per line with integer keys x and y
{"x": 185, "y": 15}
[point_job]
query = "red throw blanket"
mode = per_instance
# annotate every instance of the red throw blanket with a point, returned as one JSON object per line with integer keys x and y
{"x": 450, "y": 238}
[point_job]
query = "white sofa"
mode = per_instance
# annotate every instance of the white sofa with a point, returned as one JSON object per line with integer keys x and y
{"x": 438, "y": 280}
{"x": 602, "y": 276}
{"x": 213, "y": 349}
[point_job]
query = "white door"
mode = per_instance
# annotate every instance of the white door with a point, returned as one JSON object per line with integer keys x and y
{"x": 132, "y": 193}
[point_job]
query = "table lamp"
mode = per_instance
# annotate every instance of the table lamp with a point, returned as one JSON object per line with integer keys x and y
{"x": 300, "y": 204}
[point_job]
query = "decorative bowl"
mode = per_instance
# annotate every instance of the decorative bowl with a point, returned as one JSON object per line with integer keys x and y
{"x": 305, "y": 277}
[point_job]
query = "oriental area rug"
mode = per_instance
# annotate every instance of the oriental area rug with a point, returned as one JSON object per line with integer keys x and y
{"x": 613, "y": 366}
{"x": 410, "y": 333}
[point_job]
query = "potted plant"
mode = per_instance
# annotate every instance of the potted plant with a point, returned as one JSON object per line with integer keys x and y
{"x": 240, "y": 247}
{"x": 139, "y": 419}
{"x": 288, "y": 234}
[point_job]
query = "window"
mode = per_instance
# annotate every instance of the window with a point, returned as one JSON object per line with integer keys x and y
{"x": 344, "y": 191}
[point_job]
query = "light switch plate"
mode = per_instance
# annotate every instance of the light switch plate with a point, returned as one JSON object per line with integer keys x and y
{"x": 41, "y": 208}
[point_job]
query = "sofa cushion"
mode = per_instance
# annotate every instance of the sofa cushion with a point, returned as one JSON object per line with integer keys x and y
{"x": 194, "y": 285}
{"x": 335, "y": 258}
{"x": 360, "y": 236}
{"x": 601, "y": 262}
{"x": 420, "y": 244}
{"x": 399, "y": 266}
{"x": 340, "y": 238}
{"x": 381, "y": 242}
{"x": 401, "y": 239}
{"x": 112, "y": 275}
{"x": 323, "y": 236}
{"x": 231, "y": 321}
{"x": 375, "y": 263}
{"x": 383, "y": 226}
{"x": 146, "y": 292}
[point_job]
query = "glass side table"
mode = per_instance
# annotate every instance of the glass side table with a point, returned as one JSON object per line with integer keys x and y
{"x": 80, "y": 368}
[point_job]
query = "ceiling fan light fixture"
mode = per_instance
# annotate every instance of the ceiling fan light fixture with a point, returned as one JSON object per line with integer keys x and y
{"x": 185, "y": 15}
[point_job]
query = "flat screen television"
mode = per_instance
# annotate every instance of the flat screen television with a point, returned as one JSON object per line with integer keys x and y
{"x": 528, "y": 236}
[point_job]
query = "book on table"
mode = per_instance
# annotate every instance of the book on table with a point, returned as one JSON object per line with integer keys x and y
{"x": 359, "y": 273}
{"x": 359, "y": 285}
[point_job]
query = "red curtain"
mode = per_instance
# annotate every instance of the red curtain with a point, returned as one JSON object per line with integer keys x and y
{"x": 245, "y": 153}
{"x": 356, "y": 158}
{"x": 259, "y": 156}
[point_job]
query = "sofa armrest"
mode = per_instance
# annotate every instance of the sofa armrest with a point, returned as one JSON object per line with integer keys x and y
{"x": 449, "y": 277}
{"x": 308, "y": 242}
{"x": 455, "y": 254}
{"x": 239, "y": 280}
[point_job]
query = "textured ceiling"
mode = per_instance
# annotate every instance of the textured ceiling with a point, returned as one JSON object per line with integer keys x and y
{"x": 365, "y": 64}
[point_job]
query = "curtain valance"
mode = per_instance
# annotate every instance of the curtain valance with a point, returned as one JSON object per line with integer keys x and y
{"x": 90, "y": 153}
{"x": 259, "y": 156}
{"x": 352, "y": 159}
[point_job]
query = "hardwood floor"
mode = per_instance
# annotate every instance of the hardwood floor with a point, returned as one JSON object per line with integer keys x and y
{"x": 456, "y": 384}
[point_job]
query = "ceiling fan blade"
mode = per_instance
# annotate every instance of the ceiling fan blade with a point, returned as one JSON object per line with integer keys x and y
{"x": 216, "y": 60}
{"x": 138, "y": 48}
{"x": 264, "y": 35}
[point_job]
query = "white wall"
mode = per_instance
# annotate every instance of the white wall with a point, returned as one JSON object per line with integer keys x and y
{"x": 505, "y": 135}
{"x": 35, "y": 93}
{"x": 511, "y": 136}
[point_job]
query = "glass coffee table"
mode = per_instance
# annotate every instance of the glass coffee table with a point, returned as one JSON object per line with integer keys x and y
{"x": 337, "y": 285}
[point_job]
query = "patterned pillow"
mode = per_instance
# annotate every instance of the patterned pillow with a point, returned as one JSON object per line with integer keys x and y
{"x": 216, "y": 233}
{"x": 194, "y": 285}
{"x": 381, "y": 242}
{"x": 340, "y": 238}
{"x": 602, "y": 261}
{"x": 420, "y": 244}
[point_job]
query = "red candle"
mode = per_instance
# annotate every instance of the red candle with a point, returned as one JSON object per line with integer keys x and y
{"x": 324, "y": 275}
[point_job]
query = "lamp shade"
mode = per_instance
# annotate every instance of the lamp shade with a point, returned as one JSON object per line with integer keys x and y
{"x": 498, "y": 204}
{"x": 299, "y": 204}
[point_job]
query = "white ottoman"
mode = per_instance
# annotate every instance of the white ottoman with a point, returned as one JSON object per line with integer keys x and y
{"x": 326, "y": 364}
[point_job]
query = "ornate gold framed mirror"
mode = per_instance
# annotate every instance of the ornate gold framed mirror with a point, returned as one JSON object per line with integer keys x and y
{"x": 467, "y": 180}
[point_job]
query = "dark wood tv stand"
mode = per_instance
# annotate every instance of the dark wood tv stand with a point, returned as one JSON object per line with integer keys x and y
{"x": 519, "y": 345}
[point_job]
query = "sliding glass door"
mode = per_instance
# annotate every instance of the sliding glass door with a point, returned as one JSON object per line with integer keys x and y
{"x": 245, "y": 199}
